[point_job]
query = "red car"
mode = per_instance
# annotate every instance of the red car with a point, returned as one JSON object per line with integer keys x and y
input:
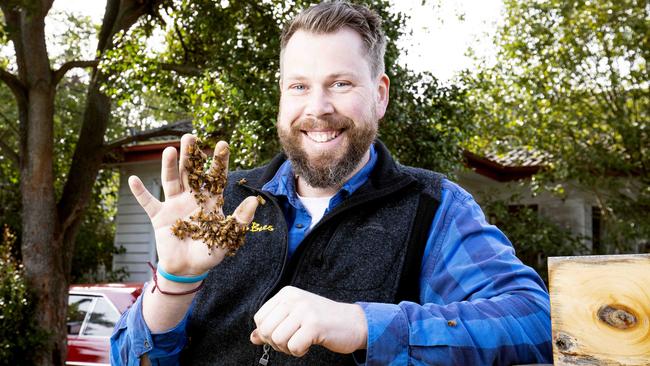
{"x": 93, "y": 310}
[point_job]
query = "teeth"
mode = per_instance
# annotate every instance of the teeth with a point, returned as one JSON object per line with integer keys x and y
{"x": 322, "y": 136}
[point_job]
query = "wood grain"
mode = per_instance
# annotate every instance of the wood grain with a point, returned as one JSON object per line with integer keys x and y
{"x": 600, "y": 309}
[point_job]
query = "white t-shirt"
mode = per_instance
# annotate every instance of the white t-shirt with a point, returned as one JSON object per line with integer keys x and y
{"x": 316, "y": 207}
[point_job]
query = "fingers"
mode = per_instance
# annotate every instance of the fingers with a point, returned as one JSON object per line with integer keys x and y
{"x": 279, "y": 335}
{"x": 299, "y": 343}
{"x": 220, "y": 159}
{"x": 277, "y": 327}
{"x": 169, "y": 174}
{"x": 219, "y": 171}
{"x": 246, "y": 210}
{"x": 283, "y": 332}
{"x": 267, "y": 307}
{"x": 268, "y": 329}
{"x": 278, "y": 321}
{"x": 186, "y": 141}
{"x": 150, "y": 204}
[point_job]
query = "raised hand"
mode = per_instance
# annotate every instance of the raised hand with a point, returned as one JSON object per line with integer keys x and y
{"x": 293, "y": 320}
{"x": 189, "y": 256}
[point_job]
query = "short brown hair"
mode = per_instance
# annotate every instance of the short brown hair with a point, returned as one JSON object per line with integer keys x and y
{"x": 331, "y": 16}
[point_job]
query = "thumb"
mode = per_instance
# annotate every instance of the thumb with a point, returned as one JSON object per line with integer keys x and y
{"x": 255, "y": 338}
{"x": 246, "y": 210}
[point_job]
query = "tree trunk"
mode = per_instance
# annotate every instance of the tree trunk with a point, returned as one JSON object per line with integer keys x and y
{"x": 86, "y": 162}
{"x": 49, "y": 229}
{"x": 42, "y": 240}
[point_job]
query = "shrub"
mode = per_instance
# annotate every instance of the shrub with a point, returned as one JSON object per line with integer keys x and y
{"x": 19, "y": 334}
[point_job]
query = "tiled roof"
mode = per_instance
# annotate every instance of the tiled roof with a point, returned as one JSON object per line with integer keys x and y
{"x": 519, "y": 157}
{"x": 514, "y": 165}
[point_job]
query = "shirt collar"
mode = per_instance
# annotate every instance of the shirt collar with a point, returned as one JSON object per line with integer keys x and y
{"x": 283, "y": 183}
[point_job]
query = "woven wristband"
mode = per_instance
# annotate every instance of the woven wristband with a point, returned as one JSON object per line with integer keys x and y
{"x": 181, "y": 279}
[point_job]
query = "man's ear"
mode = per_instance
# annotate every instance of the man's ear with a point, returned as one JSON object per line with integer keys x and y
{"x": 383, "y": 87}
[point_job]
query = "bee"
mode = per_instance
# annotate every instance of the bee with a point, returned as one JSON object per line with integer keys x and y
{"x": 223, "y": 152}
{"x": 261, "y": 200}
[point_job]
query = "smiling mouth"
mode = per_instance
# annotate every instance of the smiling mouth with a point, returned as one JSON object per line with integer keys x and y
{"x": 322, "y": 136}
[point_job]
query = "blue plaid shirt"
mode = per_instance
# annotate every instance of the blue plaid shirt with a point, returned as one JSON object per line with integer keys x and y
{"x": 479, "y": 305}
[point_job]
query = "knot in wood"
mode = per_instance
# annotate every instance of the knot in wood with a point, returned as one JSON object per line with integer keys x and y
{"x": 564, "y": 343}
{"x": 617, "y": 316}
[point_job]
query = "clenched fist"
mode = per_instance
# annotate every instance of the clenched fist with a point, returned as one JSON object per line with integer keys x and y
{"x": 293, "y": 320}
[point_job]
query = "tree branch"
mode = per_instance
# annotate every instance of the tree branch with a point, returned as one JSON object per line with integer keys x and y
{"x": 15, "y": 85}
{"x": 58, "y": 74}
{"x": 180, "y": 38}
{"x": 182, "y": 69}
{"x": 121, "y": 15}
{"x": 14, "y": 29}
{"x": 175, "y": 129}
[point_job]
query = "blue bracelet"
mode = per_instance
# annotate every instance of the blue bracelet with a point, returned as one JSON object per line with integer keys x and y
{"x": 183, "y": 279}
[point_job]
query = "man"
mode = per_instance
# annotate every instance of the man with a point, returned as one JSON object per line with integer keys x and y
{"x": 358, "y": 259}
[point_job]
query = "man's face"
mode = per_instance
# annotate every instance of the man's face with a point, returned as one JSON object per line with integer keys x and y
{"x": 329, "y": 105}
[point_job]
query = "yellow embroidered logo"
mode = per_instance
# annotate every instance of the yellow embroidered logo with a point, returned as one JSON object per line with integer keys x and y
{"x": 255, "y": 227}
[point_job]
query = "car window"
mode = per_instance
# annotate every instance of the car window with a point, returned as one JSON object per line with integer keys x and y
{"x": 102, "y": 319}
{"x": 78, "y": 307}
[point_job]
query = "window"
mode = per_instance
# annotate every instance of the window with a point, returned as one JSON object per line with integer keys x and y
{"x": 517, "y": 209}
{"x": 78, "y": 307}
{"x": 102, "y": 319}
{"x": 596, "y": 217}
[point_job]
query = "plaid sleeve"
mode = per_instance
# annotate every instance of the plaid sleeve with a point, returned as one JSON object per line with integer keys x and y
{"x": 479, "y": 304}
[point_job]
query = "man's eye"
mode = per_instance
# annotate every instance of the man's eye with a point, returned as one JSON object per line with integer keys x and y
{"x": 299, "y": 87}
{"x": 341, "y": 84}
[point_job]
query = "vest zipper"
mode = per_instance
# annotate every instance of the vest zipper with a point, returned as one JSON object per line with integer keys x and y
{"x": 286, "y": 243}
{"x": 343, "y": 208}
{"x": 264, "y": 360}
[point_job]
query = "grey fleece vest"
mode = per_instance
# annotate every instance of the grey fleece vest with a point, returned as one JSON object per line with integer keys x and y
{"x": 368, "y": 248}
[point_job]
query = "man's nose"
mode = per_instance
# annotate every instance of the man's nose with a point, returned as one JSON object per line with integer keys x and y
{"x": 319, "y": 103}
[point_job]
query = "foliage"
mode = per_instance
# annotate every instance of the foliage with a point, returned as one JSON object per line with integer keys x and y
{"x": 19, "y": 334}
{"x": 9, "y": 177}
{"x": 534, "y": 237}
{"x": 228, "y": 81}
{"x": 94, "y": 247}
{"x": 571, "y": 81}
{"x": 94, "y": 243}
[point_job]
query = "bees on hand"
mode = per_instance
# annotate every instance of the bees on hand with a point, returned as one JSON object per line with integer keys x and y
{"x": 207, "y": 180}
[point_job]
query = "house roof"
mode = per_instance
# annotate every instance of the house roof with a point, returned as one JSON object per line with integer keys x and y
{"x": 147, "y": 151}
{"x": 518, "y": 157}
{"x": 505, "y": 168}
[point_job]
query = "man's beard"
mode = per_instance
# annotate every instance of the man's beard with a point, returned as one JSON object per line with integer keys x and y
{"x": 330, "y": 168}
